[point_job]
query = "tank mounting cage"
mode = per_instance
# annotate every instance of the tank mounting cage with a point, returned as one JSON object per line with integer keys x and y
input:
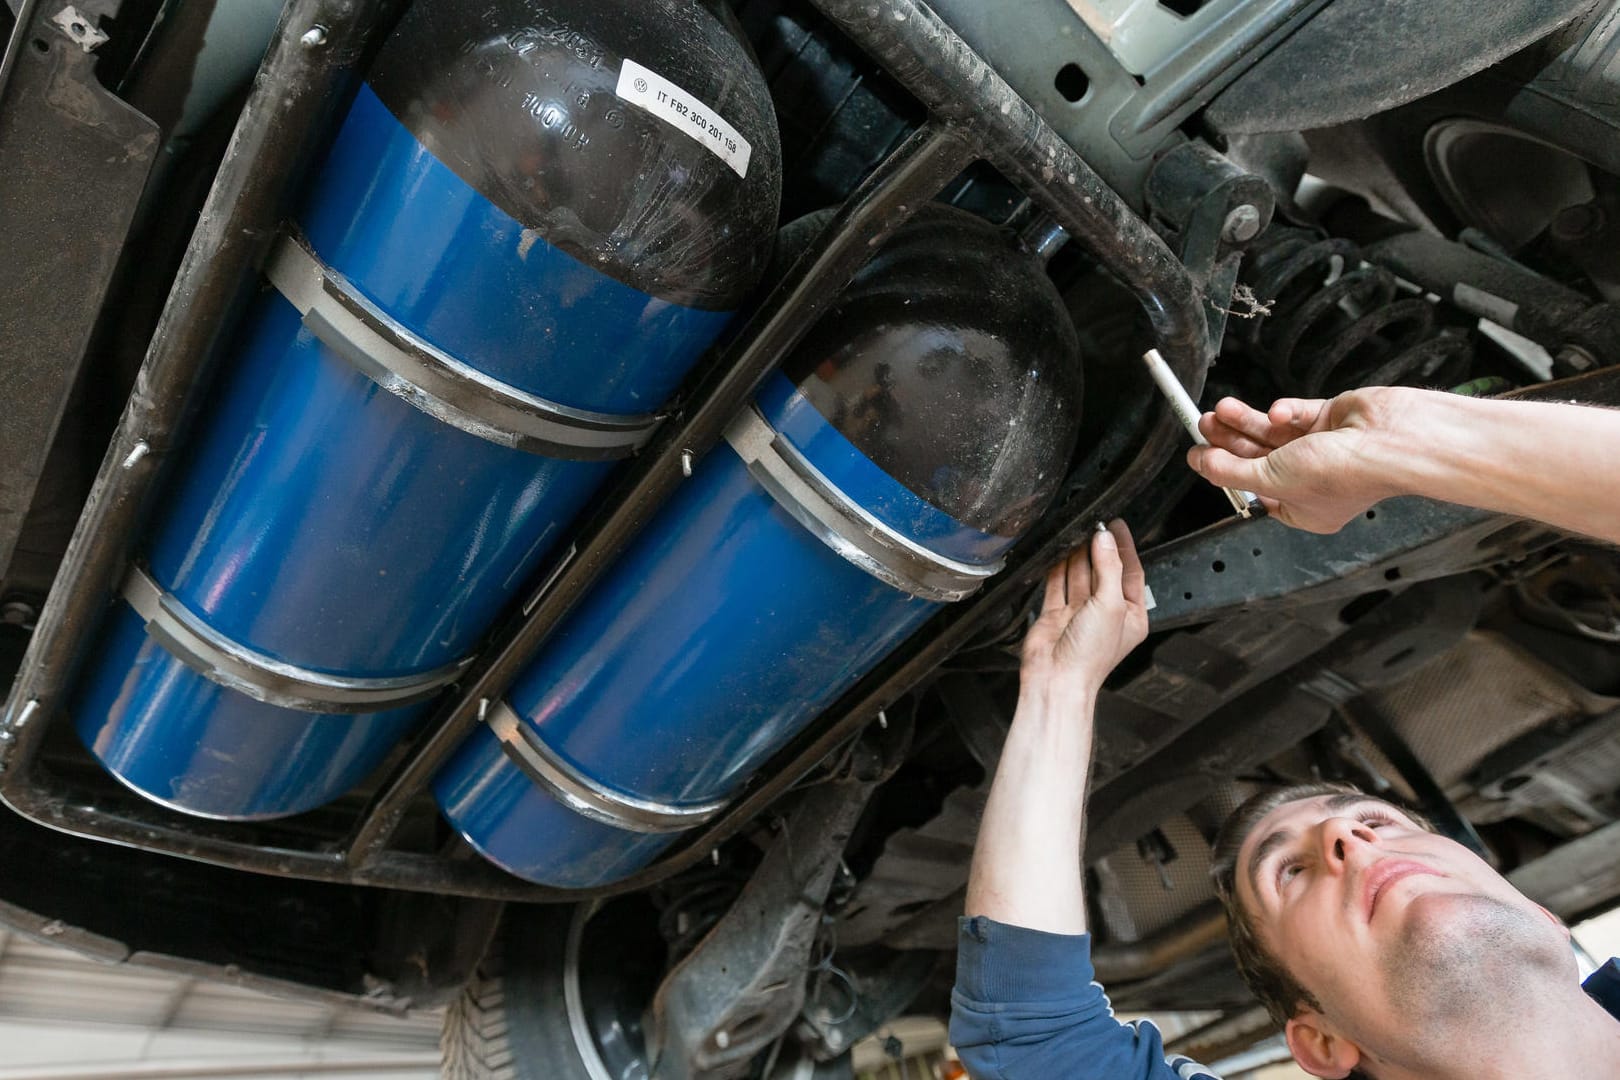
{"x": 973, "y": 115}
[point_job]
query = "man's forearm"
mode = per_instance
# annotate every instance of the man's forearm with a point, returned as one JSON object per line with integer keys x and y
{"x": 1026, "y": 867}
{"x": 1549, "y": 462}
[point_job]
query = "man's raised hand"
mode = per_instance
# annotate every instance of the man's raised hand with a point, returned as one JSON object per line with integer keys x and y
{"x": 1094, "y": 613}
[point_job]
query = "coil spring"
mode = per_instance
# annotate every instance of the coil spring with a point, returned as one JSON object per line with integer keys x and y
{"x": 1331, "y": 322}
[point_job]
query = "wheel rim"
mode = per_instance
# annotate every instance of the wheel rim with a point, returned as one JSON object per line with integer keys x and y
{"x": 604, "y": 1016}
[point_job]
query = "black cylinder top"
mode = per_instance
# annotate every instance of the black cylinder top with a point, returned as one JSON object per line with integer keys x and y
{"x": 518, "y": 98}
{"x": 951, "y": 363}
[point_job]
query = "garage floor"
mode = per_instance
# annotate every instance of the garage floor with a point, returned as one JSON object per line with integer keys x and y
{"x": 65, "y": 1017}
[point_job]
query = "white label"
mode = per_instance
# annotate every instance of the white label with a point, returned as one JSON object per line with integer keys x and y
{"x": 651, "y": 92}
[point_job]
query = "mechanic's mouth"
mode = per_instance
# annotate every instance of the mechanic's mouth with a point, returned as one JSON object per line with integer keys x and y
{"x": 1384, "y": 874}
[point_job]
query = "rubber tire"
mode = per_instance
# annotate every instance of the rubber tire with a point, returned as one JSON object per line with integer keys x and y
{"x": 511, "y": 1022}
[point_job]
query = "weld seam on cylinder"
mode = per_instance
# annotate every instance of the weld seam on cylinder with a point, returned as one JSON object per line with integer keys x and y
{"x": 844, "y": 525}
{"x": 586, "y": 797}
{"x": 262, "y": 678}
{"x": 445, "y": 388}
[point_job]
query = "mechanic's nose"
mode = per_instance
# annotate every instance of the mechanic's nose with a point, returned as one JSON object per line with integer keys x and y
{"x": 1339, "y": 837}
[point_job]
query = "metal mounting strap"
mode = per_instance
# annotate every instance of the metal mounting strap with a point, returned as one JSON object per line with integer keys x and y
{"x": 437, "y": 383}
{"x": 845, "y": 526}
{"x": 580, "y": 793}
{"x": 263, "y": 678}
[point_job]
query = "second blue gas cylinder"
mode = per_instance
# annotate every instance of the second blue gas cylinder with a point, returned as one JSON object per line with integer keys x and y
{"x": 920, "y": 427}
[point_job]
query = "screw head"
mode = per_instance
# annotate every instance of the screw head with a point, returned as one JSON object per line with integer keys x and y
{"x": 1576, "y": 358}
{"x": 1574, "y": 223}
{"x": 1241, "y": 225}
{"x": 314, "y": 37}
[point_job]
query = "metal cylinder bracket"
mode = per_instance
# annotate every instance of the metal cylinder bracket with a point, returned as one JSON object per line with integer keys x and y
{"x": 264, "y": 678}
{"x": 844, "y": 525}
{"x": 442, "y": 386}
{"x": 585, "y": 796}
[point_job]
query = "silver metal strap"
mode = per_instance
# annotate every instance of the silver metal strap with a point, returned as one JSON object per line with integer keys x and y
{"x": 579, "y": 792}
{"x": 432, "y": 380}
{"x": 263, "y": 678}
{"x": 844, "y": 525}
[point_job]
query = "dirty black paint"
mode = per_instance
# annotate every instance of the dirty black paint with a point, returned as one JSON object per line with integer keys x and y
{"x": 534, "y": 124}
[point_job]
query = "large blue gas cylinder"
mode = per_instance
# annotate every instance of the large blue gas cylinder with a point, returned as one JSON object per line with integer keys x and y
{"x": 921, "y": 426}
{"x": 512, "y": 253}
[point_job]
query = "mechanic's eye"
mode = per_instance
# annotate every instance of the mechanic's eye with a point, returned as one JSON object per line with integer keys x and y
{"x": 1288, "y": 871}
{"x": 1373, "y": 819}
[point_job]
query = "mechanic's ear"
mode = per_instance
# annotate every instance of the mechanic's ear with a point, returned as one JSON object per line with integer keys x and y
{"x": 1317, "y": 1049}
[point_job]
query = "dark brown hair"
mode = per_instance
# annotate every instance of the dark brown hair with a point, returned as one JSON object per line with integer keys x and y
{"x": 1283, "y": 996}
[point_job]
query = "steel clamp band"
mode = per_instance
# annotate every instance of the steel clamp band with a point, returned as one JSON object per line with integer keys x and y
{"x": 842, "y": 524}
{"x": 579, "y": 792}
{"x": 433, "y": 381}
{"x": 264, "y": 678}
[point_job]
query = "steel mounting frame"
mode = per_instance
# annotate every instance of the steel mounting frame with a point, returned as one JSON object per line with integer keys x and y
{"x": 974, "y": 115}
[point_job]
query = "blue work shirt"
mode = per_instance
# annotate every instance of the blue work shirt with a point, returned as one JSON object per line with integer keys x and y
{"x": 1026, "y": 1006}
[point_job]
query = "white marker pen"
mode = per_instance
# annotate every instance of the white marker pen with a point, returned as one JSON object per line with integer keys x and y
{"x": 1187, "y": 411}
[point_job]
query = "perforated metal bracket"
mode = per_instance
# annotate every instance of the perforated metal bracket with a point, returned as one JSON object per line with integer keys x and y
{"x": 581, "y": 794}
{"x": 263, "y": 678}
{"x": 432, "y": 380}
{"x": 843, "y": 525}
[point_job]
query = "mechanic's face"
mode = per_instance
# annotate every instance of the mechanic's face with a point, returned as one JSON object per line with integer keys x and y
{"x": 1391, "y": 927}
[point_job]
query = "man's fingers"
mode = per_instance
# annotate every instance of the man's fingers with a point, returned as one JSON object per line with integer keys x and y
{"x": 1230, "y": 438}
{"x": 1106, "y": 565}
{"x": 1295, "y": 416}
{"x": 1225, "y": 469}
{"x": 1079, "y": 578}
{"x": 1056, "y": 596}
{"x": 1133, "y": 581}
{"x": 1251, "y": 422}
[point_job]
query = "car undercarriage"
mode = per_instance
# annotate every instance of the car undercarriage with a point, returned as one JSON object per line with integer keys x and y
{"x": 1285, "y": 197}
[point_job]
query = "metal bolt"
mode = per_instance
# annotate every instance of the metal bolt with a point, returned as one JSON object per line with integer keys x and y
{"x": 26, "y": 715}
{"x": 17, "y": 613}
{"x": 883, "y": 720}
{"x": 686, "y": 463}
{"x": 722, "y": 1039}
{"x": 1576, "y": 358}
{"x": 1580, "y": 222}
{"x": 1241, "y": 225}
{"x": 314, "y": 37}
{"x": 138, "y": 451}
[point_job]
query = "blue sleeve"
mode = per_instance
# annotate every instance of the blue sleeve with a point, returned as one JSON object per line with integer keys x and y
{"x": 1026, "y": 1007}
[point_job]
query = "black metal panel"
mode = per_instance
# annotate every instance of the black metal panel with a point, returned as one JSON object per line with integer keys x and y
{"x": 1119, "y": 122}
{"x": 73, "y": 161}
{"x": 1360, "y": 57}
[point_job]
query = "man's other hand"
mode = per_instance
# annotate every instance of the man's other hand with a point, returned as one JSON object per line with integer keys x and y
{"x": 1310, "y": 461}
{"x": 1094, "y": 613}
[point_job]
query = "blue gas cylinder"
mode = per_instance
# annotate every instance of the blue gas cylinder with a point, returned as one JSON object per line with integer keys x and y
{"x": 514, "y": 250}
{"x": 920, "y": 427}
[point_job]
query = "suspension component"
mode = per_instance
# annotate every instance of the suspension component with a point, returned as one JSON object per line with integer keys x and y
{"x": 1327, "y": 321}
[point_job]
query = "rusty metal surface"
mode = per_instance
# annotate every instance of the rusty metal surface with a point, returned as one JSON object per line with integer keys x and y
{"x": 73, "y": 162}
